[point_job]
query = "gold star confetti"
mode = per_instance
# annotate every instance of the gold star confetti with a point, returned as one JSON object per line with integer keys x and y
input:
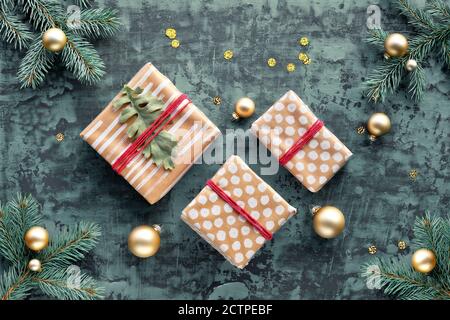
{"x": 175, "y": 43}
{"x": 217, "y": 100}
{"x": 372, "y": 249}
{"x": 59, "y": 137}
{"x": 304, "y": 41}
{"x": 171, "y": 33}
{"x": 271, "y": 62}
{"x": 302, "y": 56}
{"x": 290, "y": 67}
{"x": 228, "y": 54}
{"x": 307, "y": 61}
{"x": 401, "y": 245}
{"x": 413, "y": 174}
{"x": 361, "y": 130}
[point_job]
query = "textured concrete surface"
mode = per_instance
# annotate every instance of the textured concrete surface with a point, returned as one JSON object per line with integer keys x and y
{"x": 374, "y": 190}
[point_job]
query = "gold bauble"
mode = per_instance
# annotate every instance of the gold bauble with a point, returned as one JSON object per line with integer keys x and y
{"x": 328, "y": 221}
{"x": 144, "y": 241}
{"x": 411, "y": 65}
{"x": 36, "y": 238}
{"x": 378, "y": 125}
{"x": 423, "y": 260}
{"x": 54, "y": 39}
{"x": 395, "y": 45}
{"x": 244, "y": 108}
{"x": 35, "y": 265}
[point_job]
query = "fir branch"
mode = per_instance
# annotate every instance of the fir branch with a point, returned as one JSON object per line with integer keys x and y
{"x": 13, "y": 30}
{"x": 59, "y": 284}
{"x": 15, "y": 284}
{"x": 35, "y": 65}
{"x": 70, "y": 245}
{"x": 417, "y": 17}
{"x": 439, "y": 8}
{"x": 80, "y": 57}
{"x": 97, "y": 23}
{"x": 416, "y": 84}
{"x": 44, "y": 14}
{"x": 6, "y": 5}
{"x": 377, "y": 37}
{"x": 84, "y": 3}
{"x": 385, "y": 79}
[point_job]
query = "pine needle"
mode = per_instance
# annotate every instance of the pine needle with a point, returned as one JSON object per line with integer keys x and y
{"x": 97, "y": 23}
{"x": 44, "y": 14}
{"x": 13, "y": 31}
{"x": 35, "y": 65}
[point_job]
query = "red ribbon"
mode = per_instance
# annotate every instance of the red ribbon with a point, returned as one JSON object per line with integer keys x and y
{"x": 301, "y": 142}
{"x": 150, "y": 133}
{"x": 263, "y": 231}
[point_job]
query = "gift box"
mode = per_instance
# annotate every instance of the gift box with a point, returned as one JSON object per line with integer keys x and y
{"x": 301, "y": 142}
{"x": 237, "y": 212}
{"x": 191, "y": 130}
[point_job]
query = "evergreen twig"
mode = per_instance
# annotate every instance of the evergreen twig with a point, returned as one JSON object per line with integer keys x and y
{"x": 398, "y": 278}
{"x": 70, "y": 246}
{"x": 12, "y": 30}
{"x": 97, "y": 23}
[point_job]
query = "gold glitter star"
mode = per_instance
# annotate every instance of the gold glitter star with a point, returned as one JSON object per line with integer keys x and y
{"x": 175, "y": 43}
{"x": 290, "y": 67}
{"x": 171, "y": 33}
{"x": 413, "y": 174}
{"x": 228, "y": 54}
{"x": 271, "y": 62}
{"x": 360, "y": 130}
{"x": 59, "y": 137}
{"x": 304, "y": 41}
{"x": 217, "y": 100}
{"x": 372, "y": 249}
{"x": 302, "y": 56}
{"x": 401, "y": 245}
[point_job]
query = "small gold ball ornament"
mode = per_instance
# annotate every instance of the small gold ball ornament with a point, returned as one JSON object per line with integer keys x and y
{"x": 328, "y": 221}
{"x": 54, "y": 39}
{"x": 144, "y": 241}
{"x": 378, "y": 125}
{"x": 411, "y": 65}
{"x": 395, "y": 45}
{"x": 35, "y": 265}
{"x": 36, "y": 238}
{"x": 423, "y": 260}
{"x": 244, "y": 108}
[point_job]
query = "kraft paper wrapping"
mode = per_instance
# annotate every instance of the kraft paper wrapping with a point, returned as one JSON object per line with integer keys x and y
{"x": 226, "y": 230}
{"x": 283, "y": 124}
{"x": 193, "y": 130}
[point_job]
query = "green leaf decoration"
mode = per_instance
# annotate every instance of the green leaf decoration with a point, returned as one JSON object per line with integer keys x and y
{"x": 144, "y": 110}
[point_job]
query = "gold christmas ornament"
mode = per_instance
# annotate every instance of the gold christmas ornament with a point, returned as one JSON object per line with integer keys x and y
{"x": 395, "y": 45}
{"x": 244, "y": 108}
{"x": 228, "y": 55}
{"x": 54, "y": 39}
{"x": 304, "y": 41}
{"x": 411, "y": 65}
{"x": 271, "y": 62}
{"x": 372, "y": 249}
{"x": 423, "y": 260}
{"x": 35, "y": 265}
{"x": 401, "y": 245}
{"x": 290, "y": 67}
{"x": 217, "y": 100}
{"x": 36, "y": 238}
{"x": 378, "y": 125}
{"x": 171, "y": 33}
{"x": 144, "y": 241}
{"x": 328, "y": 221}
{"x": 175, "y": 43}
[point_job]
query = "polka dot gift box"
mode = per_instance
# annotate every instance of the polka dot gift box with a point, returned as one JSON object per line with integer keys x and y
{"x": 301, "y": 142}
{"x": 237, "y": 212}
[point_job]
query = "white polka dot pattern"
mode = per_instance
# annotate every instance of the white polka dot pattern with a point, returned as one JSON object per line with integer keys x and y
{"x": 319, "y": 160}
{"x": 231, "y": 234}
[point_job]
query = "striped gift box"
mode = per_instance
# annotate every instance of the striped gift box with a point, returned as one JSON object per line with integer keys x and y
{"x": 192, "y": 129}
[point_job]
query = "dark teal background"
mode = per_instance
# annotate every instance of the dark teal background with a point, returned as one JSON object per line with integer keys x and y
{"x": 374, "y": 190}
